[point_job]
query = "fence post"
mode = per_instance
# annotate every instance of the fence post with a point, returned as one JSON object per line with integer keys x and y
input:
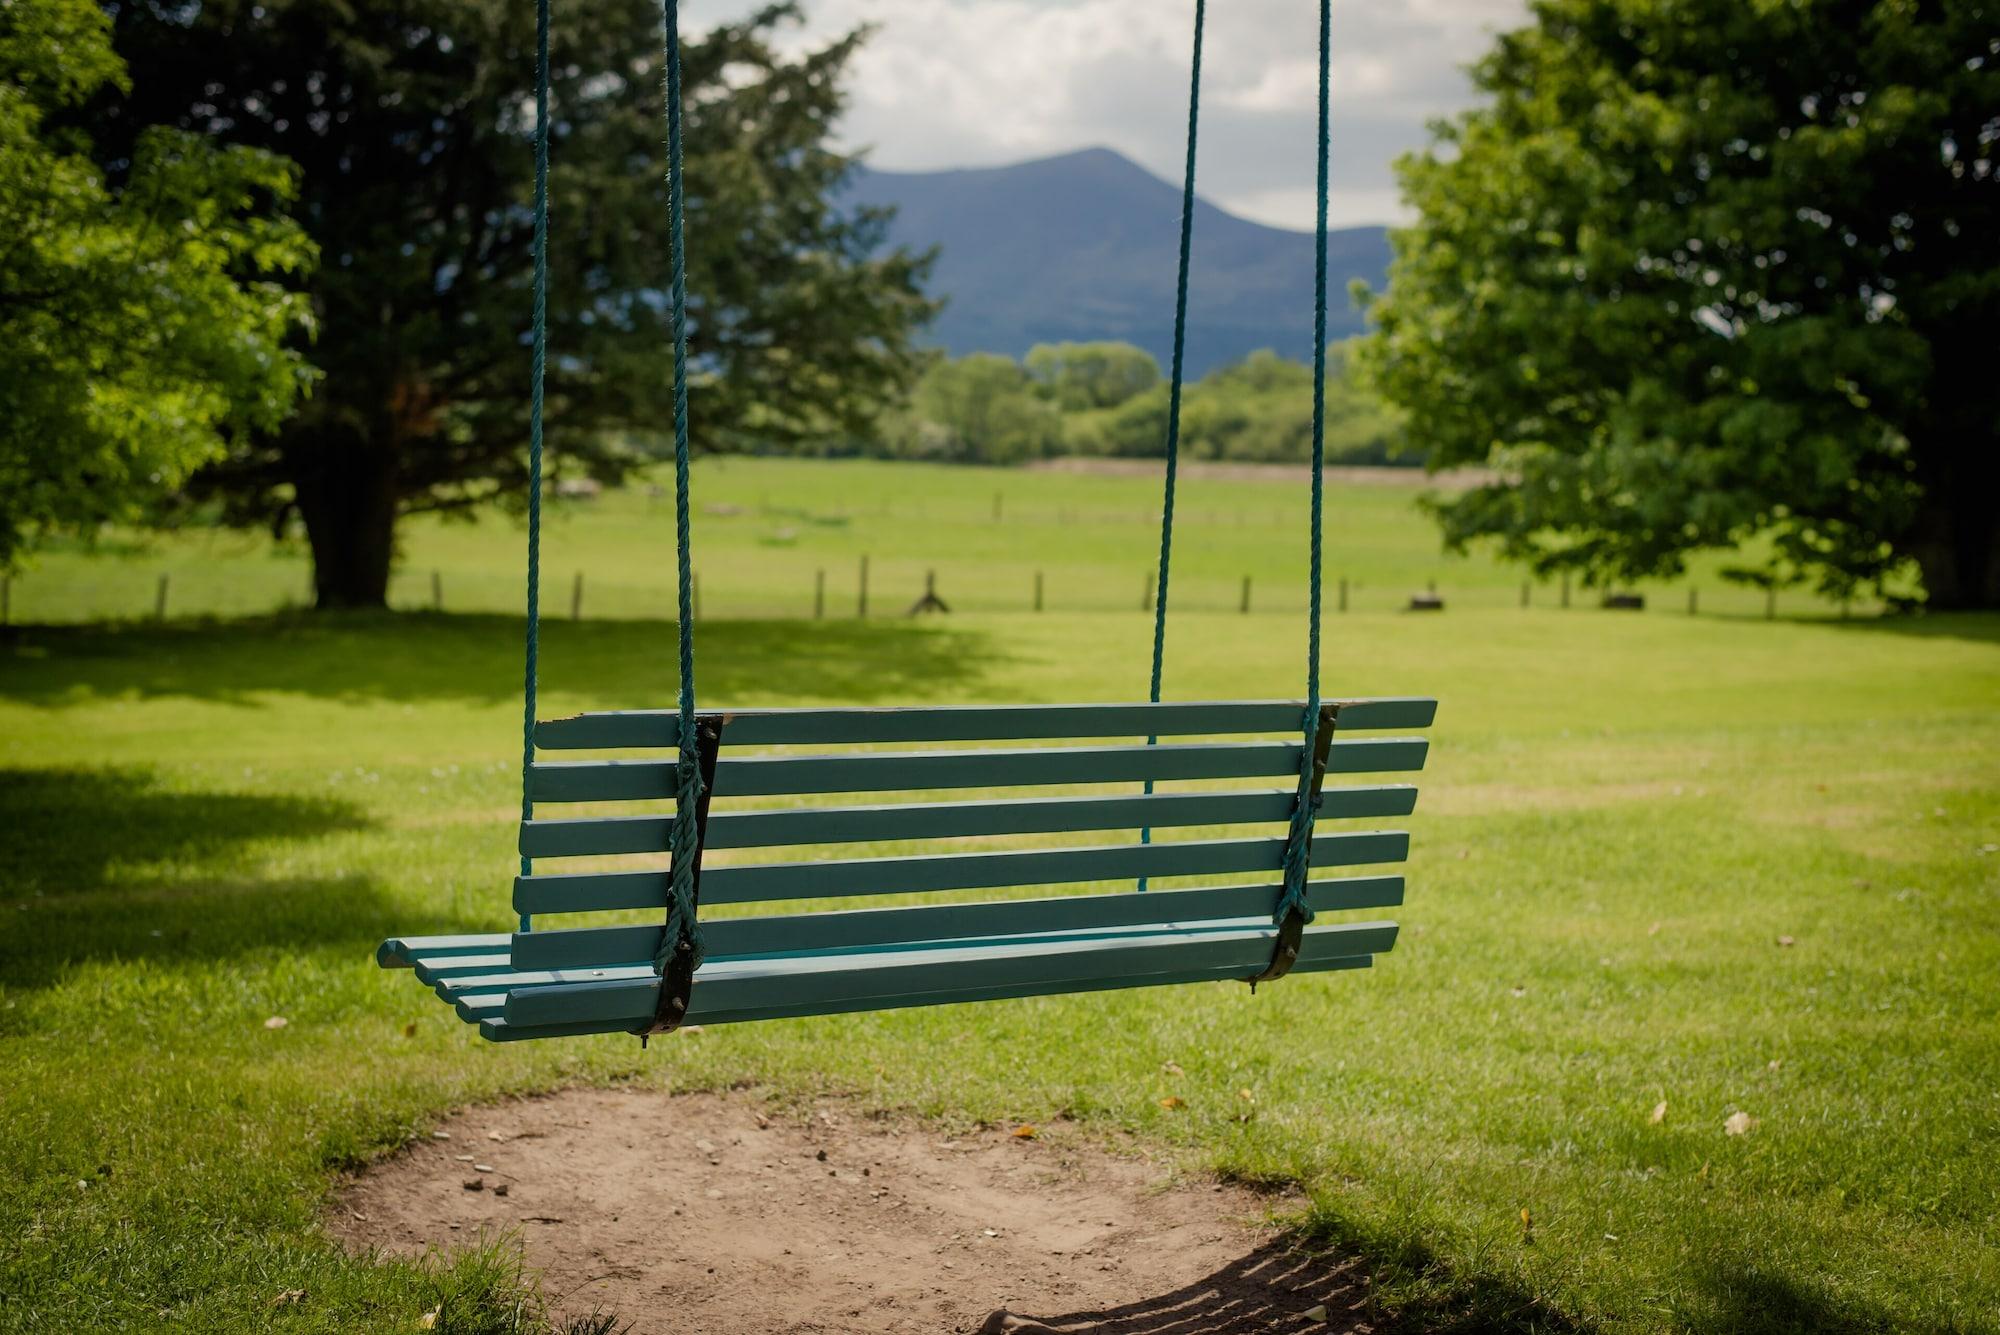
{"x": 1524, "y": 593}
{"x": 819, "y": 594}
{"x": 1565, "y": 589}
{"x": 1038, "y": 590}
{"x": 694, "y": 581}
{"x": 1770, "y": 602}
{"x": 1245, "y": 609}
{"x": 1343, "y": 593}
{"x": 160, "y": 601}
{"x": 1146, "y": 594}
{"x": 437, "y": 591}
{"x": 576, "y": 598}
{"x": 1694, "y": 600}
{"x": 861, "y": 605}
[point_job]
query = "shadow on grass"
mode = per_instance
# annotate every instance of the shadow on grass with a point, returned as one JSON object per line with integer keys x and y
{"x": 477, "y": 658}
{"x": 1272, "y": 1288}
{"x": 1746, "y": 1298}
{"x": 67, "y": 831}
{"x": 103, "y": 865}
{"x": 1976, "y": 627}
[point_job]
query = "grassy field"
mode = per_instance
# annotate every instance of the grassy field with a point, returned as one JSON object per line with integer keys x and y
{"x": 765, "y": 529}
{"x": 1726, "y": 865}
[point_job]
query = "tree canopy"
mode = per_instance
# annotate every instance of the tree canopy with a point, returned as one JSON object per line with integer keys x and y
{"x": 412, "y": 122}
{"x": 1091, "y": 375}
{"x": 144, "y": 325}
{"x": 1702, "y": 271}
{"x": 1108, "y": 399}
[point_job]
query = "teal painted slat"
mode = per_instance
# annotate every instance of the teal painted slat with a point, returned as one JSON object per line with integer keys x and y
{"x": 766, "y": 776}
{"x": 1380, "y": 715}
{"x": 400, "y": 952}
{"x": 430, "y": 968}
{"x": 577, "y": 893}
{"x": 1377, "y": 755}
{"x": 947, "y": 974}
{"x": 949, "y": 820}
{"x": 593, "y": 891}
{"x": 885, "y": 771}
{"x": 498, "y": 1030}
{"x": 602, "y": 947}
{"x": 971, "y": 723}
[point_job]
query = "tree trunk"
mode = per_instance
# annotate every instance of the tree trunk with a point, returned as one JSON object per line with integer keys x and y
{"x": 347, "y": 498}
{"x": 1956, "y": 538}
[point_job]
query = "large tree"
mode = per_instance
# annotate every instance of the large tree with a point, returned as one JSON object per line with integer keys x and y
{"x": 1701, "y": 271}
{"x": 143, "y": 327}
{"x": 412, "y": 122}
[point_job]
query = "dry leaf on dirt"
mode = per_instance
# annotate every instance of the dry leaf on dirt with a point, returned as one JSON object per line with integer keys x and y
{"x": 1024, "y": 1132}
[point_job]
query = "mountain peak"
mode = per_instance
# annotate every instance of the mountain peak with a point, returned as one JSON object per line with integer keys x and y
{"x": 1084, "y": 245}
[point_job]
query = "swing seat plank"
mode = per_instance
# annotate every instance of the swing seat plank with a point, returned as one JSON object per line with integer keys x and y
{"x": 1096, "y": 932}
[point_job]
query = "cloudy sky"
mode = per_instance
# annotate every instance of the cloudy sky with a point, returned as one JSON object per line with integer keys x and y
{"x": 956, "y": 83}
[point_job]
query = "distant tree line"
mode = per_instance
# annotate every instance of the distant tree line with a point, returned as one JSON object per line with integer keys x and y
{"x": 1110, "y": 399}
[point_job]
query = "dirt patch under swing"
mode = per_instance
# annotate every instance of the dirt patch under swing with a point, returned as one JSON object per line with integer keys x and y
{"x": 704, "y": 1212}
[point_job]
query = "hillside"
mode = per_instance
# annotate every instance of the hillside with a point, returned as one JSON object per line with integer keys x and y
{"x": 1083, "y": 246}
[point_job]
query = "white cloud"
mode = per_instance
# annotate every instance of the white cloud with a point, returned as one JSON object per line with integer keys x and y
{"x": 957, "y": 83}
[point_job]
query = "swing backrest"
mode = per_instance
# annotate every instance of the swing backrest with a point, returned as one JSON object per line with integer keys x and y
{"x": 916, "y": 755}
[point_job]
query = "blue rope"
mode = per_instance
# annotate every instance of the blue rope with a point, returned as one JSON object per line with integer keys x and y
{"x": 1174, "y": 388}
{"x": 535, "y": 419}
{"x": 684, "y": 841}
{"x": 1298, "y": 850}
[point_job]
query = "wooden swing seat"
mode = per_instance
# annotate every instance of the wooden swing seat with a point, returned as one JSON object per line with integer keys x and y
{"x": 599, "y": 978}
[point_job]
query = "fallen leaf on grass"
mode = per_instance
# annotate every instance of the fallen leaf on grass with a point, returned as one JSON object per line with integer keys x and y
{"x": 276, "y": 1022}
{"x": 429, "y": 1320}
{"x": 289, "y": 1297}
{"x": 1739, "y": 1124}
{"x": 1172, "y": 1101}
{"x": 1246, "y": 1096}
{"x": 1787, "y": 941}
{"x": 1024, "y": 1132}
{"x": 1173, "y": 1068}
{"x": 1659, "y": 1113}
{"x": 410, "y": 1029}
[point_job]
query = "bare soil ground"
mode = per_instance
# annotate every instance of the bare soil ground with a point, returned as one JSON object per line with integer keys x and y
{"x": 699, "y": 1213}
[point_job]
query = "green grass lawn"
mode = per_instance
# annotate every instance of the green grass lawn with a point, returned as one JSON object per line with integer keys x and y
{"x": 204, "y": 825}
{"x": 765, "y": 529}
